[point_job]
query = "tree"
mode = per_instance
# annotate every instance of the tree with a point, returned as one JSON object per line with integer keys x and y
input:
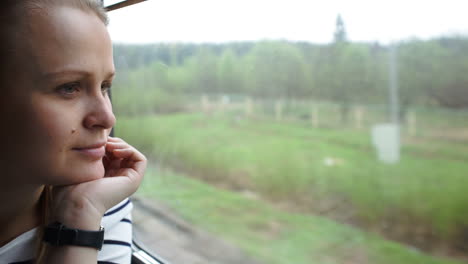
{"x": 276, "y": 70}
{"x": 336, "y": 71}
{"x": 340, "y": 31}
{"x": 229, "y": 73}
{"x": 421, "y": 70}
{"x": 453, "y": 90}
{"x": 202, "y": 68}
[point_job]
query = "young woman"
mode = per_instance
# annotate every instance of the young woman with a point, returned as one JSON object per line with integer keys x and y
{"x": 64, "y": 181}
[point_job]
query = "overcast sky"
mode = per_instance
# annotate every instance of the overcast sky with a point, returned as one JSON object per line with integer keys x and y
{"x": 313, "y": 21}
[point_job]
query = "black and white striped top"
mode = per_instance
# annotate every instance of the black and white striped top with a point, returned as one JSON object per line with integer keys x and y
{"x": 117, "y": 223}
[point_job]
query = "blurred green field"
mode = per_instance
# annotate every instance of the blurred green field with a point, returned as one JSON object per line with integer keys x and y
{"x": 271, "y": 235}
{"x": 423, "y": 197}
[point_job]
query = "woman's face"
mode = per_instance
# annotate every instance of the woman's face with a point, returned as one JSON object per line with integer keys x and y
{"x": 56, "y": 105}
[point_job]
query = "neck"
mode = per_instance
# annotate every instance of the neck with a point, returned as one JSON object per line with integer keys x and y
{"x": 19, "y": 210}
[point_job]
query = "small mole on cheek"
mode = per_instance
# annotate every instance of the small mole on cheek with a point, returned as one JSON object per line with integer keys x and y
{"x": 73, "y": 131}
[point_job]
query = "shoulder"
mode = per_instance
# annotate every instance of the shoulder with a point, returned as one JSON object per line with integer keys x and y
{"x": 117, "y": 213}
{"x": 117, "y": 223}
{"x": 21, "y": 249}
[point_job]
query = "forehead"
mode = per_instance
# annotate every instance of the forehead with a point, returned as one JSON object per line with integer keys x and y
{"x": 65, "y": 37}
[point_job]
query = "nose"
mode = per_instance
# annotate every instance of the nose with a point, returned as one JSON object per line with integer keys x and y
{"x": 99, "y": 113}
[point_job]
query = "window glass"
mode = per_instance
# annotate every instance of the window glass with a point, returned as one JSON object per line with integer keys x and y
{"x": 297, "y": 131}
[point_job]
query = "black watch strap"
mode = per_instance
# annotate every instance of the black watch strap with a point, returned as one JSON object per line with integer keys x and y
{"x": 58, "y": 234}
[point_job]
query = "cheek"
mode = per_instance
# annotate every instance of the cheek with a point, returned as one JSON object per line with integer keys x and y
{"x": 54, "y": 127}
{"x": 40, "y": 136}
{"x": 60, "y": 130}
{"x": 35, "y": 127}
{"x": 36, "y": 137}
{"x": 53, "y": 131}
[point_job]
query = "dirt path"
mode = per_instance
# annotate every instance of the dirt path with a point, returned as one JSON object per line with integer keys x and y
{"x": 168, "y": 236}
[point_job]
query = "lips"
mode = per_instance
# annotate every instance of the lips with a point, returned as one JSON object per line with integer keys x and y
{"x": 92, "y": 146}
{"x": 94, "y": 151}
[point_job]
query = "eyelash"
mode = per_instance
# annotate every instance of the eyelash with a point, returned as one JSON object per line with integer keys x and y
{"x": 65, "y": 90}
{"x": 106, "y": 87}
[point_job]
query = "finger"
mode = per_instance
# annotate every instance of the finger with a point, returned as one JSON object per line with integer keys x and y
{"x": 124, "y": 153}
{"x": 113, "y": 166}
{"x": 114, "y": 139}
{"x": 115, "y": 163}
{"x": 130, "y": 154}
{"x": 116, "y": 142}
{"x": 105, "y": 161}
{"x": 134, "y": 156}
{"x": 128, "y": 151}
{"x": 116, "y": 145}
{"x": 109, "y": 157}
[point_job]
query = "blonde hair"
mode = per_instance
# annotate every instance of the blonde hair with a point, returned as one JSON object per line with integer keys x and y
{"x": 13, "y": 15}
{"x": 44, "y": 207}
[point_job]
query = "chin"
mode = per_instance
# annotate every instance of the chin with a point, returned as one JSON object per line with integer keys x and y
{"x": 80, "y": 173}
{"x": 91, "y": 172}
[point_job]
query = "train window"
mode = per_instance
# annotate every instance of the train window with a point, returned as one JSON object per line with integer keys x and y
{"x": 296, "y": 132}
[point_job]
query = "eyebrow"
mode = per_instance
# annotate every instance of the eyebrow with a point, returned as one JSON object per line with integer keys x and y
{"x": 56, "y": 74}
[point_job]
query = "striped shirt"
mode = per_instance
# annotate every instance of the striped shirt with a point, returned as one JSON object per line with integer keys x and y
{"x": 117, "y": 223}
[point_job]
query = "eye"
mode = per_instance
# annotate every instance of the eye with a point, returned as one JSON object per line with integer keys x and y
{"x": 105, "y": 87}
{"x": 69, "y": 89}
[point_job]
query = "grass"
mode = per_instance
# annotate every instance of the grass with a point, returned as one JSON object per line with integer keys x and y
{"x": 269, "y": 234}
{"x": 286, "y": 162}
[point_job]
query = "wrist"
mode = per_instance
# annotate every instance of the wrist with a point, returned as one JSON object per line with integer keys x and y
{"x": 57, "y": 234}
{"x": 79, "y": 214}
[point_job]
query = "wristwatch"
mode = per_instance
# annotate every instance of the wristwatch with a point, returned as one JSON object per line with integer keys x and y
{"x": 58, "y": 234}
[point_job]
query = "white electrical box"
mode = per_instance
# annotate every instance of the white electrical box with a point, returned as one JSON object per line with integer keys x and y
{"x": 386, "y": 139}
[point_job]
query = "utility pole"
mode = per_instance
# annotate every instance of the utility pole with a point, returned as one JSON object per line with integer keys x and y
{"x": 393, "y": 86}
{"x": 386, "y": 136}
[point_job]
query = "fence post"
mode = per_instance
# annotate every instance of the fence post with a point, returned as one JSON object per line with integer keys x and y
{"x": 358, "y": 116}
{"x": 279, "y": 110}
{"x": 412, "y": 123}
{"x": 222, "y": 104}
{"x": 205, "y": 104}
{"x": 248, "y": 107}
{"x": 315, "y": 116}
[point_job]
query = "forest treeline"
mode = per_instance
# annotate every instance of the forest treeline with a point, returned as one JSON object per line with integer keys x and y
{"x": 430, "y": 72}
